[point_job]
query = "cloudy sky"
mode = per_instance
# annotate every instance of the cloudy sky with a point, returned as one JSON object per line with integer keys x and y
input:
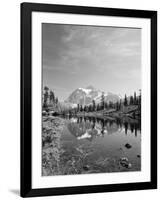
{"x": 108, "y": 58}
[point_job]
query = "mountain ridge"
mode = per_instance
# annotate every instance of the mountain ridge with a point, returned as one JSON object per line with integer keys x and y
{"x": 85, "y": 96}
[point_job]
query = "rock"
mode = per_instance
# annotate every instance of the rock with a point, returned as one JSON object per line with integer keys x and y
{"x": 129, "y": 165}
{"x": 124, "y": 162}
{"x": 138, "y": 156}
{"x": 44, "y": 113}
{"x": 124, "y": 159}
{"x": 86, "y": 167}
{"x": 128, "y": 146}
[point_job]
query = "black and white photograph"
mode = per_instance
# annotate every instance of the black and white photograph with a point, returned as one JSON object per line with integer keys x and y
{"x": 88, "y": 99}
{"x": 91, "y": 99}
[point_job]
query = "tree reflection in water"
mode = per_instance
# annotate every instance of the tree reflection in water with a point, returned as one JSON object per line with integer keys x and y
{"x": 91, "y": 127}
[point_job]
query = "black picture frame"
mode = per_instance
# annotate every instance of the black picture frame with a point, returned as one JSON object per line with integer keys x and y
{"x": 26, "y": 94}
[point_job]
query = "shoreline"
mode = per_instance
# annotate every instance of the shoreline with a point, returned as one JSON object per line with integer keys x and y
{"x": 51, "y": 145}
{"x": 112, "y": 116}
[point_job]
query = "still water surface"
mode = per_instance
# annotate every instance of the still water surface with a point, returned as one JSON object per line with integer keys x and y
{"x": 92, "y": 145}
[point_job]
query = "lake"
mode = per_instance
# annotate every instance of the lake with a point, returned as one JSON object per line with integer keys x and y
{"x": 98, "y": 145}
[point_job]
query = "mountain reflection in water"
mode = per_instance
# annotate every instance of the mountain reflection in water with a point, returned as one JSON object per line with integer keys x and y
{"x": 90, "y": 127}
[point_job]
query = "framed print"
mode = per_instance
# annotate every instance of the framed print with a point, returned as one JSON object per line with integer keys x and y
{"x": 88, "y": 99}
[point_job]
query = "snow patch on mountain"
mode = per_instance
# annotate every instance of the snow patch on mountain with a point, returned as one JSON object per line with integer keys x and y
{"x": 98, "y": 97}
{"x": 87, "y": 91}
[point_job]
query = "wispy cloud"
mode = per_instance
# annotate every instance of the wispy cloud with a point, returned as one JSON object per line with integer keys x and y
{"x": 82, "y": 53}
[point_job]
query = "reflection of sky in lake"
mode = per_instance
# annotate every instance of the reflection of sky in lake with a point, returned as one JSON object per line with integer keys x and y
{"x": 105, "y": 138}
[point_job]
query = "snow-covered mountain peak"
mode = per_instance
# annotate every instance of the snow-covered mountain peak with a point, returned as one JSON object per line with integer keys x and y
{"x": 85, "y": 96}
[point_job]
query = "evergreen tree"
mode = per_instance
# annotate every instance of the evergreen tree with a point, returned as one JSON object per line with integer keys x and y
{"x": 98, "y": 107}
{"x": 139, "y": 102}
{"x": 117, "y": 106}
{"x": 87, "y": 107}
{"x": 46, "y": 95}
{"x": 102, "y": 101}
{"x": 110, "y": 104}
{"x": 131, "y": 100}
{"x": 81, "y": 108}
{"x": 106, "y": 105}
{"x": 52, "y": 97}
{"x": 56, "y": 100}
{"x": 93, "y": 105}
{"x": 90, "y": 108}
{"x": 125, "y": 100}
{"x": 46, "y": 89}
{"x": 78, "y": 108}
{"x": 135, "y": 100}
